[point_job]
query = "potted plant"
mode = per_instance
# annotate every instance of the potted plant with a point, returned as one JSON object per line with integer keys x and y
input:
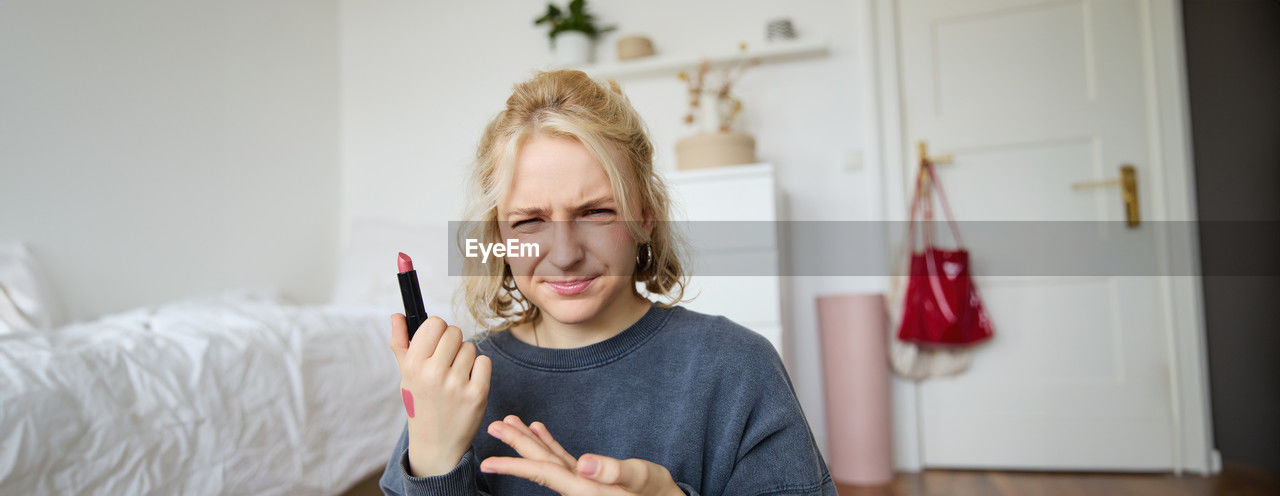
{"x": 573, "y": 34}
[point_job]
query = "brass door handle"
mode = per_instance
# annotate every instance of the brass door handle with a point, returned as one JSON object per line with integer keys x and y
{"x": 1128, "y": 182}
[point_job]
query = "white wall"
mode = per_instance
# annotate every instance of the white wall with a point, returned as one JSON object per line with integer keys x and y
{"x": 155, "y": 150}
{"x": 420, "y": 80}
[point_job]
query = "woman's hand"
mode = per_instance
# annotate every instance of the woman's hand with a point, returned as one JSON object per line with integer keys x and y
{"x": 544, "y": 461}
{"x": 445, "y": 387}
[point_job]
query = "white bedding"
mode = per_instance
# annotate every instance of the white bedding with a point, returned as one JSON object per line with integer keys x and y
{"x": 241, "y": 395}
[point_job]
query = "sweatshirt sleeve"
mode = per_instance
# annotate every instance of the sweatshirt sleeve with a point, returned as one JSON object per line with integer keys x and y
{"x": 777, "y": 454}
{"x": 460, "y": 481}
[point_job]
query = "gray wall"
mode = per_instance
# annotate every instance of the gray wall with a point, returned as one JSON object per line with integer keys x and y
{"x": 1233, "y": 72}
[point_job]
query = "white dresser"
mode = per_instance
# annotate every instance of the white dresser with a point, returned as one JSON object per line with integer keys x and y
{"x": 733, "y": 194}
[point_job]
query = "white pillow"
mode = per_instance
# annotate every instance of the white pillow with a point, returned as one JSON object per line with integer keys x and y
{"x": 367, "y": 273}
{"x": 26, "y": 297}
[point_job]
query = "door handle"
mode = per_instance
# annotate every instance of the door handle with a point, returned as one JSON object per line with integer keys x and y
{"x": 1128, "y": 182}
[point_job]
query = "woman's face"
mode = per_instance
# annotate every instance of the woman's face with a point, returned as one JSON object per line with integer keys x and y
{"x": 561, "y": 199}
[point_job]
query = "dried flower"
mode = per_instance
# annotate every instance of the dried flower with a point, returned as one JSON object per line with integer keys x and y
{"x": 727, "y": 107}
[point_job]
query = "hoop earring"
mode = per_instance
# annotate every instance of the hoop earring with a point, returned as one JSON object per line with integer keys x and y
{"x": 644, "y": 262}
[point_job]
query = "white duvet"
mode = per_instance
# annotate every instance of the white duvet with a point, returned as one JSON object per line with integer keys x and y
{"x": 239, "y": 395}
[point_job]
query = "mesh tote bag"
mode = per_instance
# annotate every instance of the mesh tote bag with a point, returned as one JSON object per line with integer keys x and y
{"x": 941, "y": 306}
{"x": 940, "y": 312}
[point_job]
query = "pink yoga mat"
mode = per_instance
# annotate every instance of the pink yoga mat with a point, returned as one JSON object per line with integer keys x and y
{"x": 855, "y": 368}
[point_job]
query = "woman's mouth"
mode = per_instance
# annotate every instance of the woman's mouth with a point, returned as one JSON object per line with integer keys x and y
{"x": 570, "y": 287}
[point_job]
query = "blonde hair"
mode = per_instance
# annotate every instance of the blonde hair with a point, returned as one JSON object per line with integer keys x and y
{"x": 566, "y": 103}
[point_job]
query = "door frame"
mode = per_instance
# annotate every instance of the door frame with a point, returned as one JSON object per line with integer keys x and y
{"x": 1170, "y": 137}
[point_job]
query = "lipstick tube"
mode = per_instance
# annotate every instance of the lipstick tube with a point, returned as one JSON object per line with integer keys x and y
{"x": 415, "y": 312}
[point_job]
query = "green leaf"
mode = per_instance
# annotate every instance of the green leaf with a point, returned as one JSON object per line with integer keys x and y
{"x": 552, "y": 15}
{"x": 578, "y": 19}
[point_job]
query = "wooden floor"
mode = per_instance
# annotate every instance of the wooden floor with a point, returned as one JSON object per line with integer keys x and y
{"x": 1233, "y": 481}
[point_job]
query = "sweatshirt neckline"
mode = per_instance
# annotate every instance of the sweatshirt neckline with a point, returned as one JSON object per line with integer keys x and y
{"x": 583, "y": 357}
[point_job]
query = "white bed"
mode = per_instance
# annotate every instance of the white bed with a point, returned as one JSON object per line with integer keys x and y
{"x": 241, "y": 394}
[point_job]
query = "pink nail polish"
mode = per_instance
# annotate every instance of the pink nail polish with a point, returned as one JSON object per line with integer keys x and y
{"x": 588, "y": 465}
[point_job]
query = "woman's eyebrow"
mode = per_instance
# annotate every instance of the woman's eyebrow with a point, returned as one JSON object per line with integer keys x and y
{"x": 527, "y": 212}
{"x": 604, "y": 200}
{"x": 540, "y": 211}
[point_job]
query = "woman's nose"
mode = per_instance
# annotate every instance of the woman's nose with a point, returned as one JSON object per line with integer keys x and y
{"x": 566, "y": 250}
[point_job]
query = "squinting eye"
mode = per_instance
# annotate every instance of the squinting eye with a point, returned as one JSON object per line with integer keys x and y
{"x": 596, "y": 211}
{"x": 523, "y": 222}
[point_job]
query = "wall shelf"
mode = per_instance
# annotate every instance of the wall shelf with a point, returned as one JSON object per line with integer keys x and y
{"x": 669, "y": 65}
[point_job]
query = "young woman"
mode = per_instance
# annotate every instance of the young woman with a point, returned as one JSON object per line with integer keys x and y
{"x": 588, "y": 387}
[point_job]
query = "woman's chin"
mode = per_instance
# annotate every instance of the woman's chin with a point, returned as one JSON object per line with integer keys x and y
{"x": 570, "y": 310}
{"x": 574, "y": 308}
{"x": 579, "y": 304}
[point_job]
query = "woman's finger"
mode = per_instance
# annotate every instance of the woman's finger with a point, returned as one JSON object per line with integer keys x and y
{"x": 425, "y": 338}
{"x": 632, "y": 474}
{"x": 569, "y": 461}
{"x": 399, "y": 336}
{"x": 480, "y": 373}
{"x": 515, "y": 421}
{"x": 547, "y": 474}
{"x": 446, "y": 350}
{"x": 461, "y": 368}
{"x": 544, "y": 434}
{"x": 527, "y": 446}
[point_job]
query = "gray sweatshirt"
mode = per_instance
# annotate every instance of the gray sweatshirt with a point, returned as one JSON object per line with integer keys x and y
{"x": 698, "y": 394}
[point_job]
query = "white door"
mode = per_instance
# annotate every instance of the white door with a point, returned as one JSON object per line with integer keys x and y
{"x": 1030, "y": 96}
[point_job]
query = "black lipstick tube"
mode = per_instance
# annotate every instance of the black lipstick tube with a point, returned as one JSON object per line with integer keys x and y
{"x": 415, "y": 313}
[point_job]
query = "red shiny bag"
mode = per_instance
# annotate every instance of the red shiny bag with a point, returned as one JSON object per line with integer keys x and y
{"x": 941, "y": 306}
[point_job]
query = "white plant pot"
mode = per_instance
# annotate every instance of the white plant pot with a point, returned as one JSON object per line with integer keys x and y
{"x": 573, "y": 48}
{"x": 709, "y": 104}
